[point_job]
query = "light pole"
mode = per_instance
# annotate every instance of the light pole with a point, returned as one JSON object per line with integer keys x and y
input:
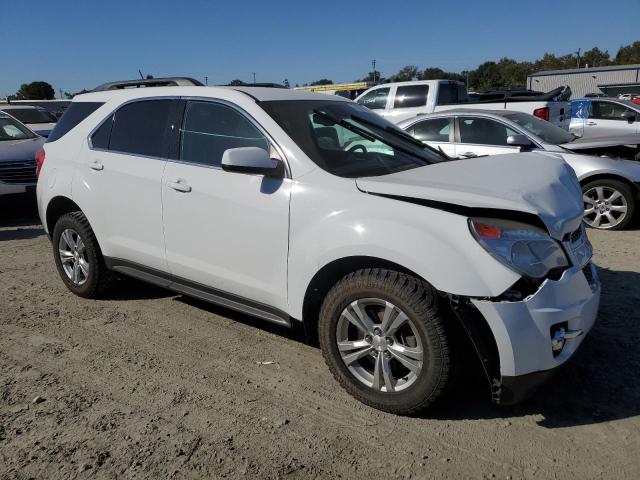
{"x": 254, "y": 78}
{"x": 373, "y": 62}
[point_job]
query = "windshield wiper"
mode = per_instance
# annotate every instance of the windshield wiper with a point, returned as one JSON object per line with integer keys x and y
{"x": 404, "y": 135}
{"x": 368, "y": 135}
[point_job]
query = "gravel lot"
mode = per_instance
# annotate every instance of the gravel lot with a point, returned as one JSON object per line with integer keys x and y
{"x": 150, "y": 384}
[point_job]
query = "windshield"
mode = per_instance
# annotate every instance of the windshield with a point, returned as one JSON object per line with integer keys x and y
{"x": 347, "y": 139}
{"x": 12, "y": 130}
{"x": 31, "y": 115}
{"x": 548, "y": 132}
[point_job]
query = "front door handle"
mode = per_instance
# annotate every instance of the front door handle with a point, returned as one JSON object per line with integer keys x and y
{"x": 96, "y": 165}
{"x": 468, "y": 155}
{"x": 591, "y": 123}
{"x": 179, "y": 185}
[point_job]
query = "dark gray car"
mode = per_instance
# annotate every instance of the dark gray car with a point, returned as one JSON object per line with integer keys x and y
{"x": 18, "y": 148}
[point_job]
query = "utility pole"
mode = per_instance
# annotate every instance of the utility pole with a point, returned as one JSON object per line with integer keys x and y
{"x": 373, "y": 62}
{"x": 60, "y": 90}
{"x": 206, "y": 80}
{"x": 254, "y": 78}
{"x": 578, "y": 62}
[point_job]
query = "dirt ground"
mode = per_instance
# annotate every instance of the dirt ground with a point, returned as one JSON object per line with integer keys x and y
{"x": 148, "y": 384}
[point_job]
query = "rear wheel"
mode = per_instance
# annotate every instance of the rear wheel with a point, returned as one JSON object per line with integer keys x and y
{"x": 384, "y": 339}
{"x": 78, "y": 257}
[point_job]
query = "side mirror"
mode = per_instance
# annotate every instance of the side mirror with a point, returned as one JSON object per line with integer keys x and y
{"x": 519, "y": 140}
{"x": 252, "y": 160}
{"x": 629, "y": 116}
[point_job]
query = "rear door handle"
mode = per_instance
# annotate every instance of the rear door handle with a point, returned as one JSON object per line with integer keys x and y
{"x": 591, "y": 123}
{"x": 468, "y": 155}
{"x": 96, "y": 165}
{"x": 179, "y": 185}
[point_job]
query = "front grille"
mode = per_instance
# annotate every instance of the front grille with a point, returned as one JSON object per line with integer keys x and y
{"x": 23, "y": 172}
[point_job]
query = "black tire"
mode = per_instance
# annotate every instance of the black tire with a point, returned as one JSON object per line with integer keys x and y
{"x": 99, "y": 279}
{"x": 627, "y": 192}
{"x": 420, "y": 302}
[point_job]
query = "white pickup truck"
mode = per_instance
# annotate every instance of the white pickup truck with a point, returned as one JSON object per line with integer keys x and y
{"x": 399, "y": 101}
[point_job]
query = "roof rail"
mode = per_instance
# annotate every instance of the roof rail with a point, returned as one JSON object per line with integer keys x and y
{"x": 149, "y": 82}
{"x": 263, "y": 84}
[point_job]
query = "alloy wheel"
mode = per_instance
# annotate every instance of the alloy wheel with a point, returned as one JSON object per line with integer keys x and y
{"x": 604, "y": 207}
{"x": 73, "y": 257}
{"x": 379, "y": 344}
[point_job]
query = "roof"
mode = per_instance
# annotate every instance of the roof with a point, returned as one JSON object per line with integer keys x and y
{"x": 260, "y": 94}
{"x": 571, "y": 71}
{"x": 10, "y": 106}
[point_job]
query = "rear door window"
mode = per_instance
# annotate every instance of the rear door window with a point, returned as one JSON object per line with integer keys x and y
{"x": 209, "y": 129}
{"x": 140, "y": 128}
{"x": 609, "y": 110}
{"x": 375, "y": 99}
{"x": 435, "y": 130}
{"x": 483, "y": 131}
{"x": 72, "y": 116}
{"x": 450, "y": 93}
{"x": 408, "y": 96}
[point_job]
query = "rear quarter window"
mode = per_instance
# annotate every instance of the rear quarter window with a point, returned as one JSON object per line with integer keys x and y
{"x": 72, "y": 116}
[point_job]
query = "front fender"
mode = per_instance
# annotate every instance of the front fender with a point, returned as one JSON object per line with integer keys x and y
{"x": 436, "y": 245}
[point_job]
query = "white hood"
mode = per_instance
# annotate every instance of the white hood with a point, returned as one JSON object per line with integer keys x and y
{"x": 534, "y": 183}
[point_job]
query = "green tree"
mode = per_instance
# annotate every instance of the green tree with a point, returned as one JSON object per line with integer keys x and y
{"x": 629, "y": 54}
{"x": 236, "y": 83}
{"x": 372, "y": 77}
{"x": 595, "y": 58}
{"x": 410, "y": 72}
{"x": 286, "y": 83}
{"x": 322, "y": 81}
{"x": 35, "y": 91}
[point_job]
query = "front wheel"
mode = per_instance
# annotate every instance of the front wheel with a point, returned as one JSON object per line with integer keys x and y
{"x": 608, "y": 204}
{"x": 385, "y": 340}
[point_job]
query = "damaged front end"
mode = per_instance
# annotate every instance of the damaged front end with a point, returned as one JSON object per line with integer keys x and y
{"x": 523, "y": 335}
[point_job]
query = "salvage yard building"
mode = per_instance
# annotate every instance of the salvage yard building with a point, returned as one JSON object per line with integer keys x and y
{"x": 612, "y": 80}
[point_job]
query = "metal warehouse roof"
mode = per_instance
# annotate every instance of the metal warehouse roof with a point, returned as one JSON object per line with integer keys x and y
{"x": 570, "y": 71}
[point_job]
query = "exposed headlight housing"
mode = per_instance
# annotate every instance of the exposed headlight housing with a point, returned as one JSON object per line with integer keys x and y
{"x": 524, "y": 248}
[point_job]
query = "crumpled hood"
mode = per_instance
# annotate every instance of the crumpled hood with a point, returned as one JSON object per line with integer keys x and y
{"x": 534, "y": 183}
{"x": 585, "y": 143}
{"x": 17, "y": 150}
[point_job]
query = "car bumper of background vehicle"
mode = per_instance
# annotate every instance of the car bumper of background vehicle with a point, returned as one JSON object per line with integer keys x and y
{"x": 524, "y": 330}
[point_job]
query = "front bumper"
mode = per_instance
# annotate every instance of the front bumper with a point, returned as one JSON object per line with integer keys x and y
{"x": 523, "y": 329}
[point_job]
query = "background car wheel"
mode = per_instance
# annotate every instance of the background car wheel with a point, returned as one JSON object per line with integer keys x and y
{"x": 78, "y": 257}
{"x": 608, "y": 204}
{"x": 384, "y": 339}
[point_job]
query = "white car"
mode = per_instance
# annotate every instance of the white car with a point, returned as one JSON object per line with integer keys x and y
{"x": 611, "y": 186}
{"x": 267, "y": 201}
{"x": 36, "y": 118}
{"x": 605, "y": 117}
{"x": 403, "y": 100}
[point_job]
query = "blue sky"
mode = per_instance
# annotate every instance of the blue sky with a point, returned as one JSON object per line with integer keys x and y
{"x": 79, "y": 44}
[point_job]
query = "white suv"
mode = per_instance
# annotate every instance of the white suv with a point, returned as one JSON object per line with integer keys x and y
{"x": 309, "y": 209}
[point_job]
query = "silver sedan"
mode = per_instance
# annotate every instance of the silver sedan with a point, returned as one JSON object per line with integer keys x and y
{"x": 611, "y": 187}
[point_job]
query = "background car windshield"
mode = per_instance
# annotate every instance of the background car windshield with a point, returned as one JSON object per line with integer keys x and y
{"x": 543, "y": 129}
{"x": 340, "y": 150}
{"x": 32, "y": 115}
{"x": 12, "y": 130}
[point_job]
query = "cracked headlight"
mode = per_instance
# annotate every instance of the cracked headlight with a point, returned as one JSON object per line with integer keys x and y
{"x": 528, "y": 250}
